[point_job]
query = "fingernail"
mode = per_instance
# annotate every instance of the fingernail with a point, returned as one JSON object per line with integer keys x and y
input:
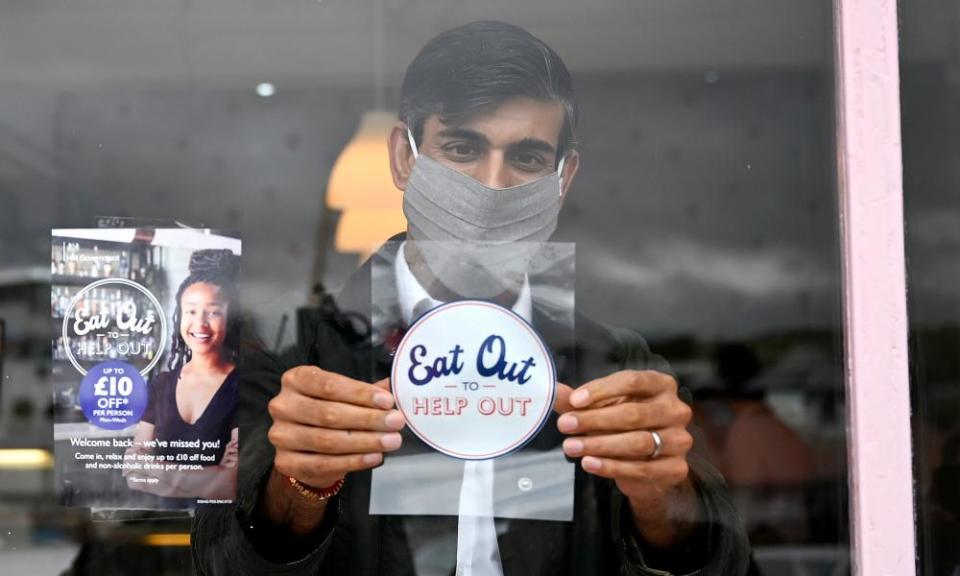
{"x": 394, "y": 420}
{"x": 572, "y": 446}
{"x": 567, "y": 423}
{"x": 383, "y": 400}
{"x": 391, "y": 441}
{"x": 580, "y": 397}
{"x": 372, "y": 459}
{"x": 591, "y": 464}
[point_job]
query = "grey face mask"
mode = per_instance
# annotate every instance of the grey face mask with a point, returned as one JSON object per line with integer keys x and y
{"x": 442, "y": 204}
{"x": 475, "y": 239}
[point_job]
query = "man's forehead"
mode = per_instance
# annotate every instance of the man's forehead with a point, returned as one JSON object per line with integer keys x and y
{"x": 515, "y": 121}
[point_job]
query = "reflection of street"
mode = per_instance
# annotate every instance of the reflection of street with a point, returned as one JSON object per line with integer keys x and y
{"x": 707, "y": 207}
{"x": 771, "y": 423}
{"x": 766, "y": 463}
{"x": 937, "y": 446}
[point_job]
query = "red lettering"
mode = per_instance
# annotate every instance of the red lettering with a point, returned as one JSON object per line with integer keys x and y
{"x": 439, "y": 406}
{"x": 487, "y": 406}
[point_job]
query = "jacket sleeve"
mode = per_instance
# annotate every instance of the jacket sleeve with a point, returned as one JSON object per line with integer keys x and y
{"x": 719, "y": 546}
{"x": 230, "y": 540}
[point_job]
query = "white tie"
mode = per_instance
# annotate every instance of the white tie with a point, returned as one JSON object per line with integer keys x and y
{"x": 477, "y": 550}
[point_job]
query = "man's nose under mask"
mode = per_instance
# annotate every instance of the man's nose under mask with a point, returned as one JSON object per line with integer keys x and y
{"x": 475, "y": 239}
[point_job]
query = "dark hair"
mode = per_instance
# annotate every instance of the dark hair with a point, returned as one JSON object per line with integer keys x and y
{"x": 476, "y": 67}
{"x": 220, "y": 268}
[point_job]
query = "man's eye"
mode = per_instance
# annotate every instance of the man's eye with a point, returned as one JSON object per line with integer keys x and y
{"x": 529, "y": 162}
{"x": 460, "y": 151}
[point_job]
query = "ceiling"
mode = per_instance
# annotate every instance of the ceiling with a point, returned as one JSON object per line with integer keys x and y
{"x": 308, "y": 43}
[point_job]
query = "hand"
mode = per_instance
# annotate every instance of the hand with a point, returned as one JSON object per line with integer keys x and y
{"x": 609, "y": 421}
{"x": 231, "y": 454}
{"x": 326, "y": 425}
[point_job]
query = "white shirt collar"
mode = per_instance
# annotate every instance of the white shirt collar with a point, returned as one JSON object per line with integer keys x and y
{"x": 410, "y": 292}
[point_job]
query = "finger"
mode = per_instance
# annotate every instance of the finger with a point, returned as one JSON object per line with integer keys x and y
{"x": 642, "y": 384}
{"x": 315, "y": 470}
{"x": 624, "y": 417}
{"x": 383, "y": 384}
{"x": 328, "y": 414}
{"x": 325, "y": 441}
{"x": 636, "y": 445}
{"x": 662, "y": 471}
{"x": 317, "y": 383}
{"x": 561, "y": 403}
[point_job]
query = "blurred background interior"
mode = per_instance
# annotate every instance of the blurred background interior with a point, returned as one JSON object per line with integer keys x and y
{"x": 705, "y": 217}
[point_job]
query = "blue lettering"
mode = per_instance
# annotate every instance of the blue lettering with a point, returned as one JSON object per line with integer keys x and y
{"x": 440, "y": 366}
{"x": 421, "y": 351}
{"x": 523, "y": 377}
{"x": 501, "y": 368}
{"x": 457, "y": 363}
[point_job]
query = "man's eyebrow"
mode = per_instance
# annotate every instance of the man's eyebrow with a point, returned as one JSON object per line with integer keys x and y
{"x": 535, "y": 144}
{"x": 464, "y": 134}
{"x": 474, "y": 136}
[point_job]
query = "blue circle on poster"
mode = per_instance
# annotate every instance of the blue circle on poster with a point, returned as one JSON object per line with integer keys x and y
{"x": 113, "y": 395}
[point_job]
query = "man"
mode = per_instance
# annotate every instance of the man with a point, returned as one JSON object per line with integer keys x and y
{"x": 484, "y": 107}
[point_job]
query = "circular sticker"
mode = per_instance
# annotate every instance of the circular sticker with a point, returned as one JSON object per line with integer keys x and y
{"x": 473, "y": 379}
{"x": 114, "y": 319}
{"x": 113, "y": 395}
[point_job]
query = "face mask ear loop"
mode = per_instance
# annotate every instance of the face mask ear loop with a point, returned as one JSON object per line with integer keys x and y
{"x": 560, "y": 173}
{"x": 413, "y": 144}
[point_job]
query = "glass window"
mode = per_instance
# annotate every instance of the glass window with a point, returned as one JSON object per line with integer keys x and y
{"x": 930, "y": 94}
{"x": 703, "y": 212}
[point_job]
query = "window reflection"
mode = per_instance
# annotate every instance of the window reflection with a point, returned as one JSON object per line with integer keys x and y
{"x": 931, "y": 141}
{"x": 704, "y": 217}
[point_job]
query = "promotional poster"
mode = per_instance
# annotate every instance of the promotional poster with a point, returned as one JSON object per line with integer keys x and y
{"x": 146, "y": 330}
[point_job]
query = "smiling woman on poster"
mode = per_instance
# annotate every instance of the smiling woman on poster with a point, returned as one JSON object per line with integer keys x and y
{"x": 189, "y": 429}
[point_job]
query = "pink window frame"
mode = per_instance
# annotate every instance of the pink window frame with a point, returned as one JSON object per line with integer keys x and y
{"x": 872, "y": 240}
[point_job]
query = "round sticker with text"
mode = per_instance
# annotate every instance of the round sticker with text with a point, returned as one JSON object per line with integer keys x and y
{"x": 114, "y": 319}
{"x": 473, "y": 380}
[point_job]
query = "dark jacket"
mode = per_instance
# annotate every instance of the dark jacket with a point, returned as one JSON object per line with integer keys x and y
{"x": 600, "y": 540}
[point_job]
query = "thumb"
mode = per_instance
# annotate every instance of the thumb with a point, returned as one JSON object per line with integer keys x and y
{"x": 561, "y": 403}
